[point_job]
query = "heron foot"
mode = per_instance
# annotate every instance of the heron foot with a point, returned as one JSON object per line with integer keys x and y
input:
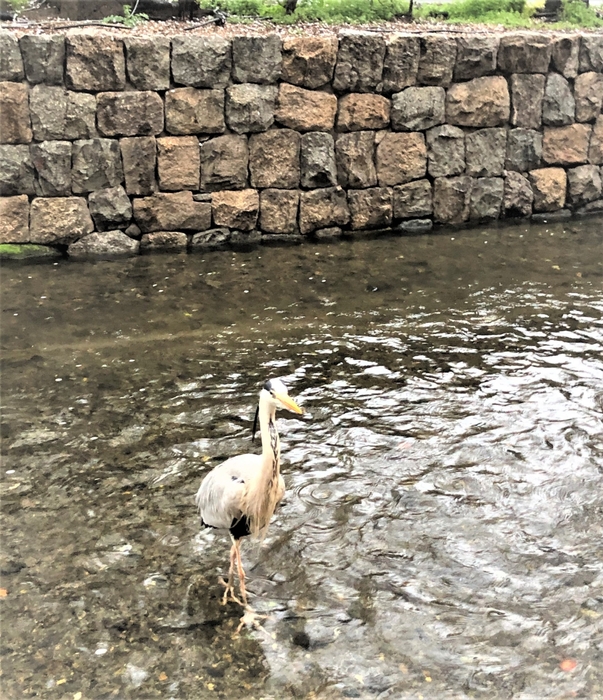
{"x": 229, "y": 593}
{"x": 251, "y": 619}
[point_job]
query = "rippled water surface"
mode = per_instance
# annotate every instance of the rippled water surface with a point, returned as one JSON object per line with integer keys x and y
{"x": 442, "y": 532}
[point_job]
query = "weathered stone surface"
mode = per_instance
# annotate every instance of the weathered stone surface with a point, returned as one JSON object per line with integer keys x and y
{"x": 278, "y": 211}
{"x": 106, "y": 244}
{"x": 413, "y": 200}
{"x": 59, "y": 220}
{"x": 401, "y": 157}
{"x": 552, "y": 217}
{"x": 558, "y": 106}
{"x": 164, "y": 240}
{"x": 236, "y": 209}
{"x": 15, "y": 125}
{"x": 192, "y": 111}
{"x": 527, "y": 94}
{"x": 322, "y": 208}
{"x": 485, "y": 152}
{"x": 418, "y": 108}
{"x": 479, "y": 102}
{"x": 566, "y": 145}
{"x": 445, "y": 151}
{"x": 564, "y": 56}
{"x": 250, "y": 107}
{"x": 451, "y": 199}
{"x": 354, "y": 154}
{"x": 486, "y": 198}
{"x": 370, "y": 208}
{"x": 52, "y": 161}
{"x": 548, "y": 185}
{"x": 178, "y": 163}
{"x": 224, "y": 162}
{"x": 518, "y": 196}
{"x": 595, "y": 151}
{"x": 524, "y": 150}
{"x": 96, "y": 164}
{"x": 475, "y": 56}
{"x": 14, "y": 218}
{"x": 129, "y": 113}
{"x": 110, "y": 208}
{"x": 133, "y": 230}
{"x": 524, "y": 53}
{"x": 139, "y": 158}
{"x": 148, "y": 62}
{"x": 588, "y": 93}
{"x": 309, "y": 61}
{"x": 274, "y": 159}
{"x": 317, "y": 159}
{"x": 11, "y": 63}
{"x": 415, "y": 226}
{"x": 590, "y": 209}
{"x": 60, "y": 114}
{"x": 327, "y": 234}
{"x": 16, "y": 170}
{"x": 171, "y": 211}
{"x": 95, "y": 63}
{"x": 584, "y": 184}
{"x": 256, "y": 59}
{"x": 436, "y": 59}
{"x": 201, "y": 61}
{"x": 363, "y": 111}
{"x": 43, "y": 58}
{"x": 591, "y": 53}
{"x": 305, "y": 110}
{"x": 359, "y": 65}
{"x": 212, "y": 239}
{"x": 401, "y": 62}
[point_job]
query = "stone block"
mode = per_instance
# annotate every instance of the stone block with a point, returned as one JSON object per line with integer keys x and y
{"x": 16, "y": 170}
{"x": 317, "y": 160}
{"x": 52, "y": 162}
{"x": 148, "y": 62}
{"x": 129, "y": 113}
{"x": 475, "y": 56}
{"x": 527, "y": 94}
{"x": 171, "y": 211}
{"x": 14, "y": 218}
{"x": 55, "y": 220}
{"x": 60, "y": 114}
{"x": 595, "y": 151}
{"x": 305, "y": 110}
{"x": 584, "y": 184}
{"x": 548, "y": 185}
{"x": 566, "y": 145}
{"x": 236, "y": 209}
{"x": 192, "y": 111}
{"x": 224, "y": 161}
{"x": 110, "y": 208}
{"x": 212, "y": 239}
{"x": 558, "y": 106}
{"x": 415, "y": 227}
{"x": 278, "y": 211}
{"x": 524, "y": 150}
{"x": 106, "y": 244}
{"x": 256, "y": 59}
{"x": 354, "y": 154}
{"x": 591, "y": 53}
{"x": 139, "y": 158}
{"x": 445, "y": 151}
{"x": 309, "y": 61}
{"x": 201, "y": 61}
{"x": 178, "y": 163}
{"x": 401, "y": 157}
{"x": 436, "y": 60}
{"x": 401, "y": 63}
{"x": 524, "y": 53}
{"x": 588, "y": 93}
{"x": 15, "y": 125}
{"x": 327, "y": 234}
{"x": 418, "y": 108}
{"x": 485, "y": 152}
{"x": 96, "y": 164}
{"x": 250, "y": 107}
{"x": 360, "y": 60}
{"x": 363, "y": 111}
{"x": 452, "y": 199}
{"x": 413, "y": 200}
{"x": 370, "y": 208}
{"x": 274, "y": 159}
{"x": 590, "y": 209}
{"x": 11, "y": 63}
{"x": 564, "y": 56}
{"x": 164, "y": 241}
{"x": 518, "y": 196}
{"x": 486, "y": 198}
{"x": 43, "y": 58}
{"x": 323, "y": 208}
{"x": 95, "y": 63}
{"x": 479, "y": 102}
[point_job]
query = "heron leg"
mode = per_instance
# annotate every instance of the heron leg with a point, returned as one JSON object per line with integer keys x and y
{"x": 241, "y": 572}
{"x": 229, "y": 593}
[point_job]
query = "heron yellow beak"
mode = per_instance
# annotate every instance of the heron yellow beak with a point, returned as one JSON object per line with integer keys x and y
{"x": 289, "y": 403}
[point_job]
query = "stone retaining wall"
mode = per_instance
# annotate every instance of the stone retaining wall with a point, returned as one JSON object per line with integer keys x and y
{"x": 113, "y": 145}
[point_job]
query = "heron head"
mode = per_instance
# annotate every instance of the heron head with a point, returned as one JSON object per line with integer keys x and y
{"x": 276, "y": 392}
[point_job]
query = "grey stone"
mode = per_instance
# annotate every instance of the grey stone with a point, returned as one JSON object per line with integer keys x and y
{"x": 164, "y": 241}
{"x": 212, "y": 239}
{"x": 413, "y": 200}
{"x": 192, "y": 111}
{"x": 95, "y": 63}
{"x": 202, "y": 197}
{"x": 309, "y": 61}
{"x": 588, "y": 93}
{"x": 224, "y": 161}
{"x": 323, "y": 208}
{"x": 524, "y": 53}
{"x": 129, "y": 113}
{"x": 524, "y": 150}
{"x": 486, "y": 198}
{"x": 318, "y": 166}
{"x": 445, "y": 151}
{"x": 564, "y": 56}
{"x": 52, "y": 161}
{"x": 16, "y": 170}
{"x": 590, "y": 209}
{"x": 558, "y": 105}
{"x": 518, "y": 195}
{"x": 133, "y": 231}
{"x": 584, "y": 184}
{"x": 591, "y": 53}
{"x": 401, "y": 62}
{"x": 370, "y": 208}
{"x": 328, "y": 234}
{"x": 256, "y": 59}
{"x": 59, "y": 114}
{"x": 485, "y": 152}
{"x": 418, "y": 108}
{"x": 436, "y": 60}
{"x": 360, "y": 60}
{"x": 475, "y": 56}
{"x": 106, "y": 244}
{"x": 148, "y": 62}
{"x": 201, "y": 61}
{"x": 415, "y": 226}
{"x": 139, "y": 156}
{"x": 43, "y": 58}
{"x": 527, "y": 93}
{"x": 11, "y": 63}
{"x": 59, "y": 220}
{"x": 110, "y": 208}
{"x": 354, "y": 153}
{"x": 96, "y": 164}
{"x": 552, "y": 216}
{"x": 250, "y": 107}
{"x": 274, "y": 159}
{"x": 451, "y": 199}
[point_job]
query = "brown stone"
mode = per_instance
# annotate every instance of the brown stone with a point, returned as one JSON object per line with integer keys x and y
{"x": 354, "y": 153}
{"x": 164, "y": 240}
{"x": 236, "y": 209}
{"x": 436, "y": 60}
{"x": 527, "y": 93}
{"x": 60, "y": 114}
{"x": 359, "y": 65}
{"x": 14, "y": 219}
{"x": 479, "y": 102}
{"x": 363, "y": 111}
{"x": 129, "y": 113}
{"x": 95, "y": 63}
{"x": 274, "y": 159}
{"x": 192, "y": 111}
{"x": 59, "y": 220}
{"x": 278, "y": 211}
{"x": 401, "y": 62}
{"x": 224, "y": 161}
{"x": 475, "y": 56}
{"x": 595, "y": 151}
{"x": 548, "y": 185}
{"x": 584, "y": 184}
{"x": 178, "y": 163}
{"x": 175, "y": 211}
{"x": 524, "y": 53}
{"x": 588, "y": 93}
{"x": 518, "y": 195}
{"x": 401, "y": 157}
{"x": 139, "y": 157}
{"x": 96, "y": 164}
{"x": 413, "y": 200}
{"x": 566, "y": 145}
{"x": 323, "y": 208}
{"x": 148, "y": 62}
{"x": 451, "y": 199}
{"x": 15, "y": 126}
{"x": 309, "y": 61}
{"x": 370, "y": 208}
{"x": 305, "y": 110}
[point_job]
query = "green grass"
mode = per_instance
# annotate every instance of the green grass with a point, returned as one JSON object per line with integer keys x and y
{"x": 576, "y": 14}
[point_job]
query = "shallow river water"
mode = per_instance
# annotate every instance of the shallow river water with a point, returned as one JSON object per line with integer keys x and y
{"x": 442, "y": 532}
